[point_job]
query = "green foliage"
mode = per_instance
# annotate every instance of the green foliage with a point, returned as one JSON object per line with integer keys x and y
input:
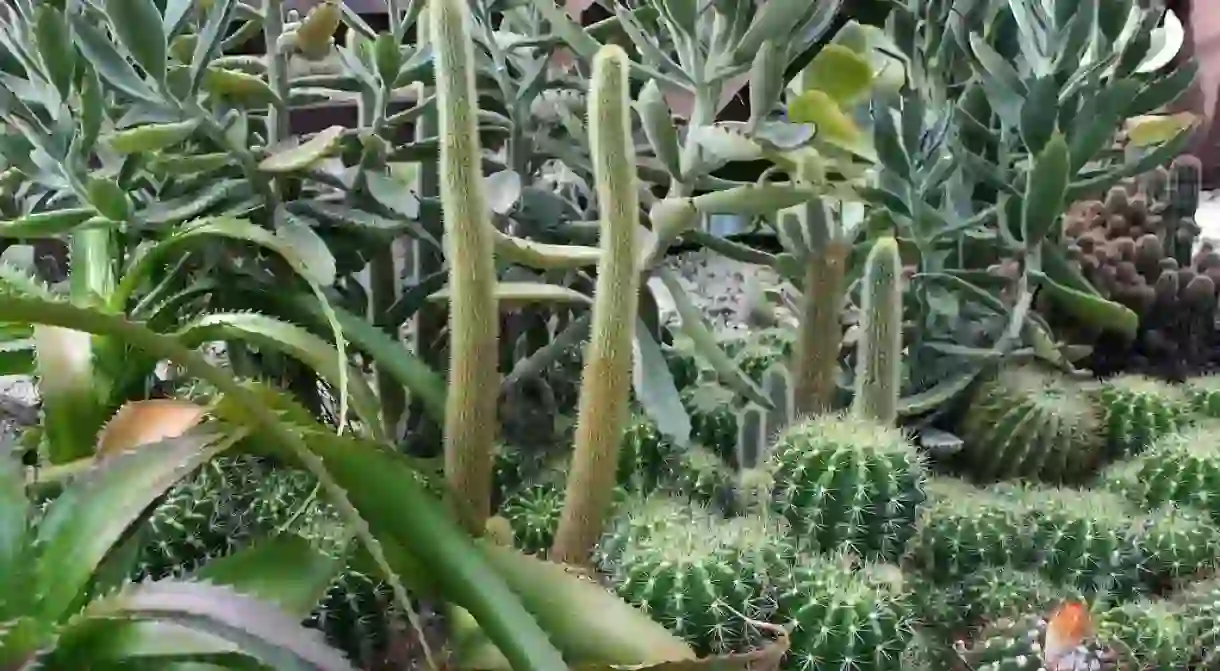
{"x": 1181, "y": 468}
{"x": 1178, "y": 543}
{"x": 1014, "y": 645}
{"x": 964, "y": 529}
{"x": 1150, "y": 633}
{"x": 847, "y": 484}
{"x": 1033, "y": 423}
{"x": 533, "y": 513}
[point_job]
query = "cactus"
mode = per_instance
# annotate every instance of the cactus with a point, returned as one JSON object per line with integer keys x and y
{"x": 645, "y": 456}
{"x": 757, "y": 426}
{"x": 997, "y": 593}
{"x": 606, "y": 378}
{"x": 1016, "y": 645}
{"x": 698, "y": 574}
{"x": 1200, "y": 610}
{"x": 1184, "y": 187}
{"x": 816, "y": 367}
{"x": 1177, "y": 543}
{"x": 533, "y": 513}
{"x": 963, "y": 529}
{"x": 1204, "y": 394}
{"x": 205, "y": 516}
{"x": 470, "y": 411}
{"x": 700, "y": 475}
{"x": 848, "y": 484}
{"x": 879, "y": 362}
{"x": 843, "y": 619}
{"x": 713, "y": 419}
{"x": 355, "y": 614}
{"x": 1032, "y": 423}
{"x": 1137, "y": 410}
{"x": 1149, "y": 633}
{"x": 1083, "y": 539}
{"x": 1181, "y": 468}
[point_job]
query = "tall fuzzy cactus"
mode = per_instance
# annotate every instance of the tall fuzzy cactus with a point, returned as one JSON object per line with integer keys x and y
{"x": 1185, "y": 185}
{"x": 878, "y": 365}
{"x": 470, "y": 411}
{"x": 606, "y": 379}
{"x": 816, "y": 365}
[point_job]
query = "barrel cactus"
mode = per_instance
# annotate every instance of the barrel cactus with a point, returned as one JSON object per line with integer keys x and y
{"x": 964, "y": 528}
{"x": 844, "y": 620}
{"x": 1177, "y": 543}
{"x": 847, "y": 483}
{"x": 533, "y": 513}
{"x": 1181, "y": 468}
{"x": 700, "y": 576}
{"x": 1150, "y": 633}
{"x": 996, "y": 593}
{"x": 644, "y": 456}
{"x": 1200, "y": 609}
{"x": 1028, "y": 422}
{"x": 1137, "y": 410}
{"x": 1204, "y": 394}
{"x": 1017, "y": 645}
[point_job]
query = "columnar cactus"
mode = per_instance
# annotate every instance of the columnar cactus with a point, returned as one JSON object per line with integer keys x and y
{"x": 474, "y": 324}
{"x": 713, "y": 418}
{"x": 1032, "y": 423}
{"x": 1137, "y": 410}
{"x": 644, "y": 457}
{"x": 879, "y": 363}
{"x": 606, "y": 379}
{"x": 964, "y": 528}
{"x": 844, "y": 620}
{"x": 848, "y": 484}
{"x": 700, "y": 574}
{"x": 1181, "y": 468}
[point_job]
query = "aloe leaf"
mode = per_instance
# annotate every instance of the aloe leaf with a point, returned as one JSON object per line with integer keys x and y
{"x": 655, "y": 389}
{"x": 16, "y": 358}
{"x": 422, "y": 381}
{"x": 14, "y": 519}
{"x": 111, "y": 643}
{"x": 46, "y": 224}
{"x": 109, "y": 63}
{"x": 439, "y": 543}
{"x": 269, "y": 332}
{"x": 259, "y": 629}
{"x": 240, "y": 230}
{"x": 88, "y": 519}
{"x": 695, "y": 328}
{"x": 285, "y": 570}
{"x": 515, "y": 295}
{"x": 304, "y": 155}
{"x": 73, "y": 410}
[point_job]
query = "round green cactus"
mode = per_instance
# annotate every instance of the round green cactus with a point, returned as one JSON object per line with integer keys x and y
{"x": 963, "y": 528}
{"x": 683, "y": 365}
{"x": 205, "y": 516}
{"x": 1030, "y": 423}
{"x": 1204, "y": 394}
{"x": 1181, "y": 468}
{"x": 1200, "y": 611}
{"x": 846, "y": 483}
{"x": 763, "y": 349}
{"x": 1084, "y": 539}
{"x": 843, "y": 619}
{"x": 1137, "y": 410}
{"x": 644, "y": 457}
{"x": 1016, "y": 645}
{"x": 533, "y": 513}
{"x": 701, "y": 575}
{"x": 355, "y": 615}
{"x": 1177, "y": 543}
{"x": 997, "y": 593}
{"x": 1150, "y": 633}
{"x": 713, "y": 418}
{"x": 701, "y": 476}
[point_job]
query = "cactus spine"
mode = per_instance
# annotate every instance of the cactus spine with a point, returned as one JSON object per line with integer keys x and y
{"x": 606, "y": 379}
{"x": 470, "y": 410}
{"x": 879, "y": 358}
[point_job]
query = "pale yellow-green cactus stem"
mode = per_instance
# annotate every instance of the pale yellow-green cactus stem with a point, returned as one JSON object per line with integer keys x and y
{"x": 606, "y": 379}
{"x": 470, "y": 412}
{"x": 879, "y": 359}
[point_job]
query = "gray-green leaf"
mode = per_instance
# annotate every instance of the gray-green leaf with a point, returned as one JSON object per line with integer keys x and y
{"x": 139, "y": 27}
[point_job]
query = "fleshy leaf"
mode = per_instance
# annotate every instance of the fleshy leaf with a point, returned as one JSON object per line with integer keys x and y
{"x": 88, "y": 519}
{"x": 840, "y": 73}
{"x": 260, "y": 629}
{"x": 142, "y": 422}
{"x": 503, "y": 190}
{"x": 285, "y": 570}
{"x": 305, "y": 155}
{"x": 655, "y": 389}
{"x": 513, "y": 295}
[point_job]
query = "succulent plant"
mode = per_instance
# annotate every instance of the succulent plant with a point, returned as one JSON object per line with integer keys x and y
{"x": 713, "y": 418}
{"x": 533, "y": 513}
{"x": 1083, "y": 539}
{"x": 702, "y": 476}
{"x": 1033, "y": 423}
{"x": 1204, "y": 394}
{"x": 1151, "y": 634}
{"x": 1137, "y": 410}
{"x": 848, "y": 484}
{"x": 1181, "y": 468}
{"x": 963, "y": 529}
{"x": 1177, "y": 543}
{"x": 843, "y": 619}
{"x": 997, "y": 593}
{"x": 1199, "y": 606}
{"x": 1014, "y": 645}
{"x": 699, "y": 574}
{"x": 879, "y": 351}
{"x": 206, "y": 516}
{"x": 645, "y": 456}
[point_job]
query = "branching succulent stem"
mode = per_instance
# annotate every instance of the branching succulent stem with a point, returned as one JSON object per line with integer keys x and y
{"x": 606, "y": 379}
{"x": 470, "y": 413}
